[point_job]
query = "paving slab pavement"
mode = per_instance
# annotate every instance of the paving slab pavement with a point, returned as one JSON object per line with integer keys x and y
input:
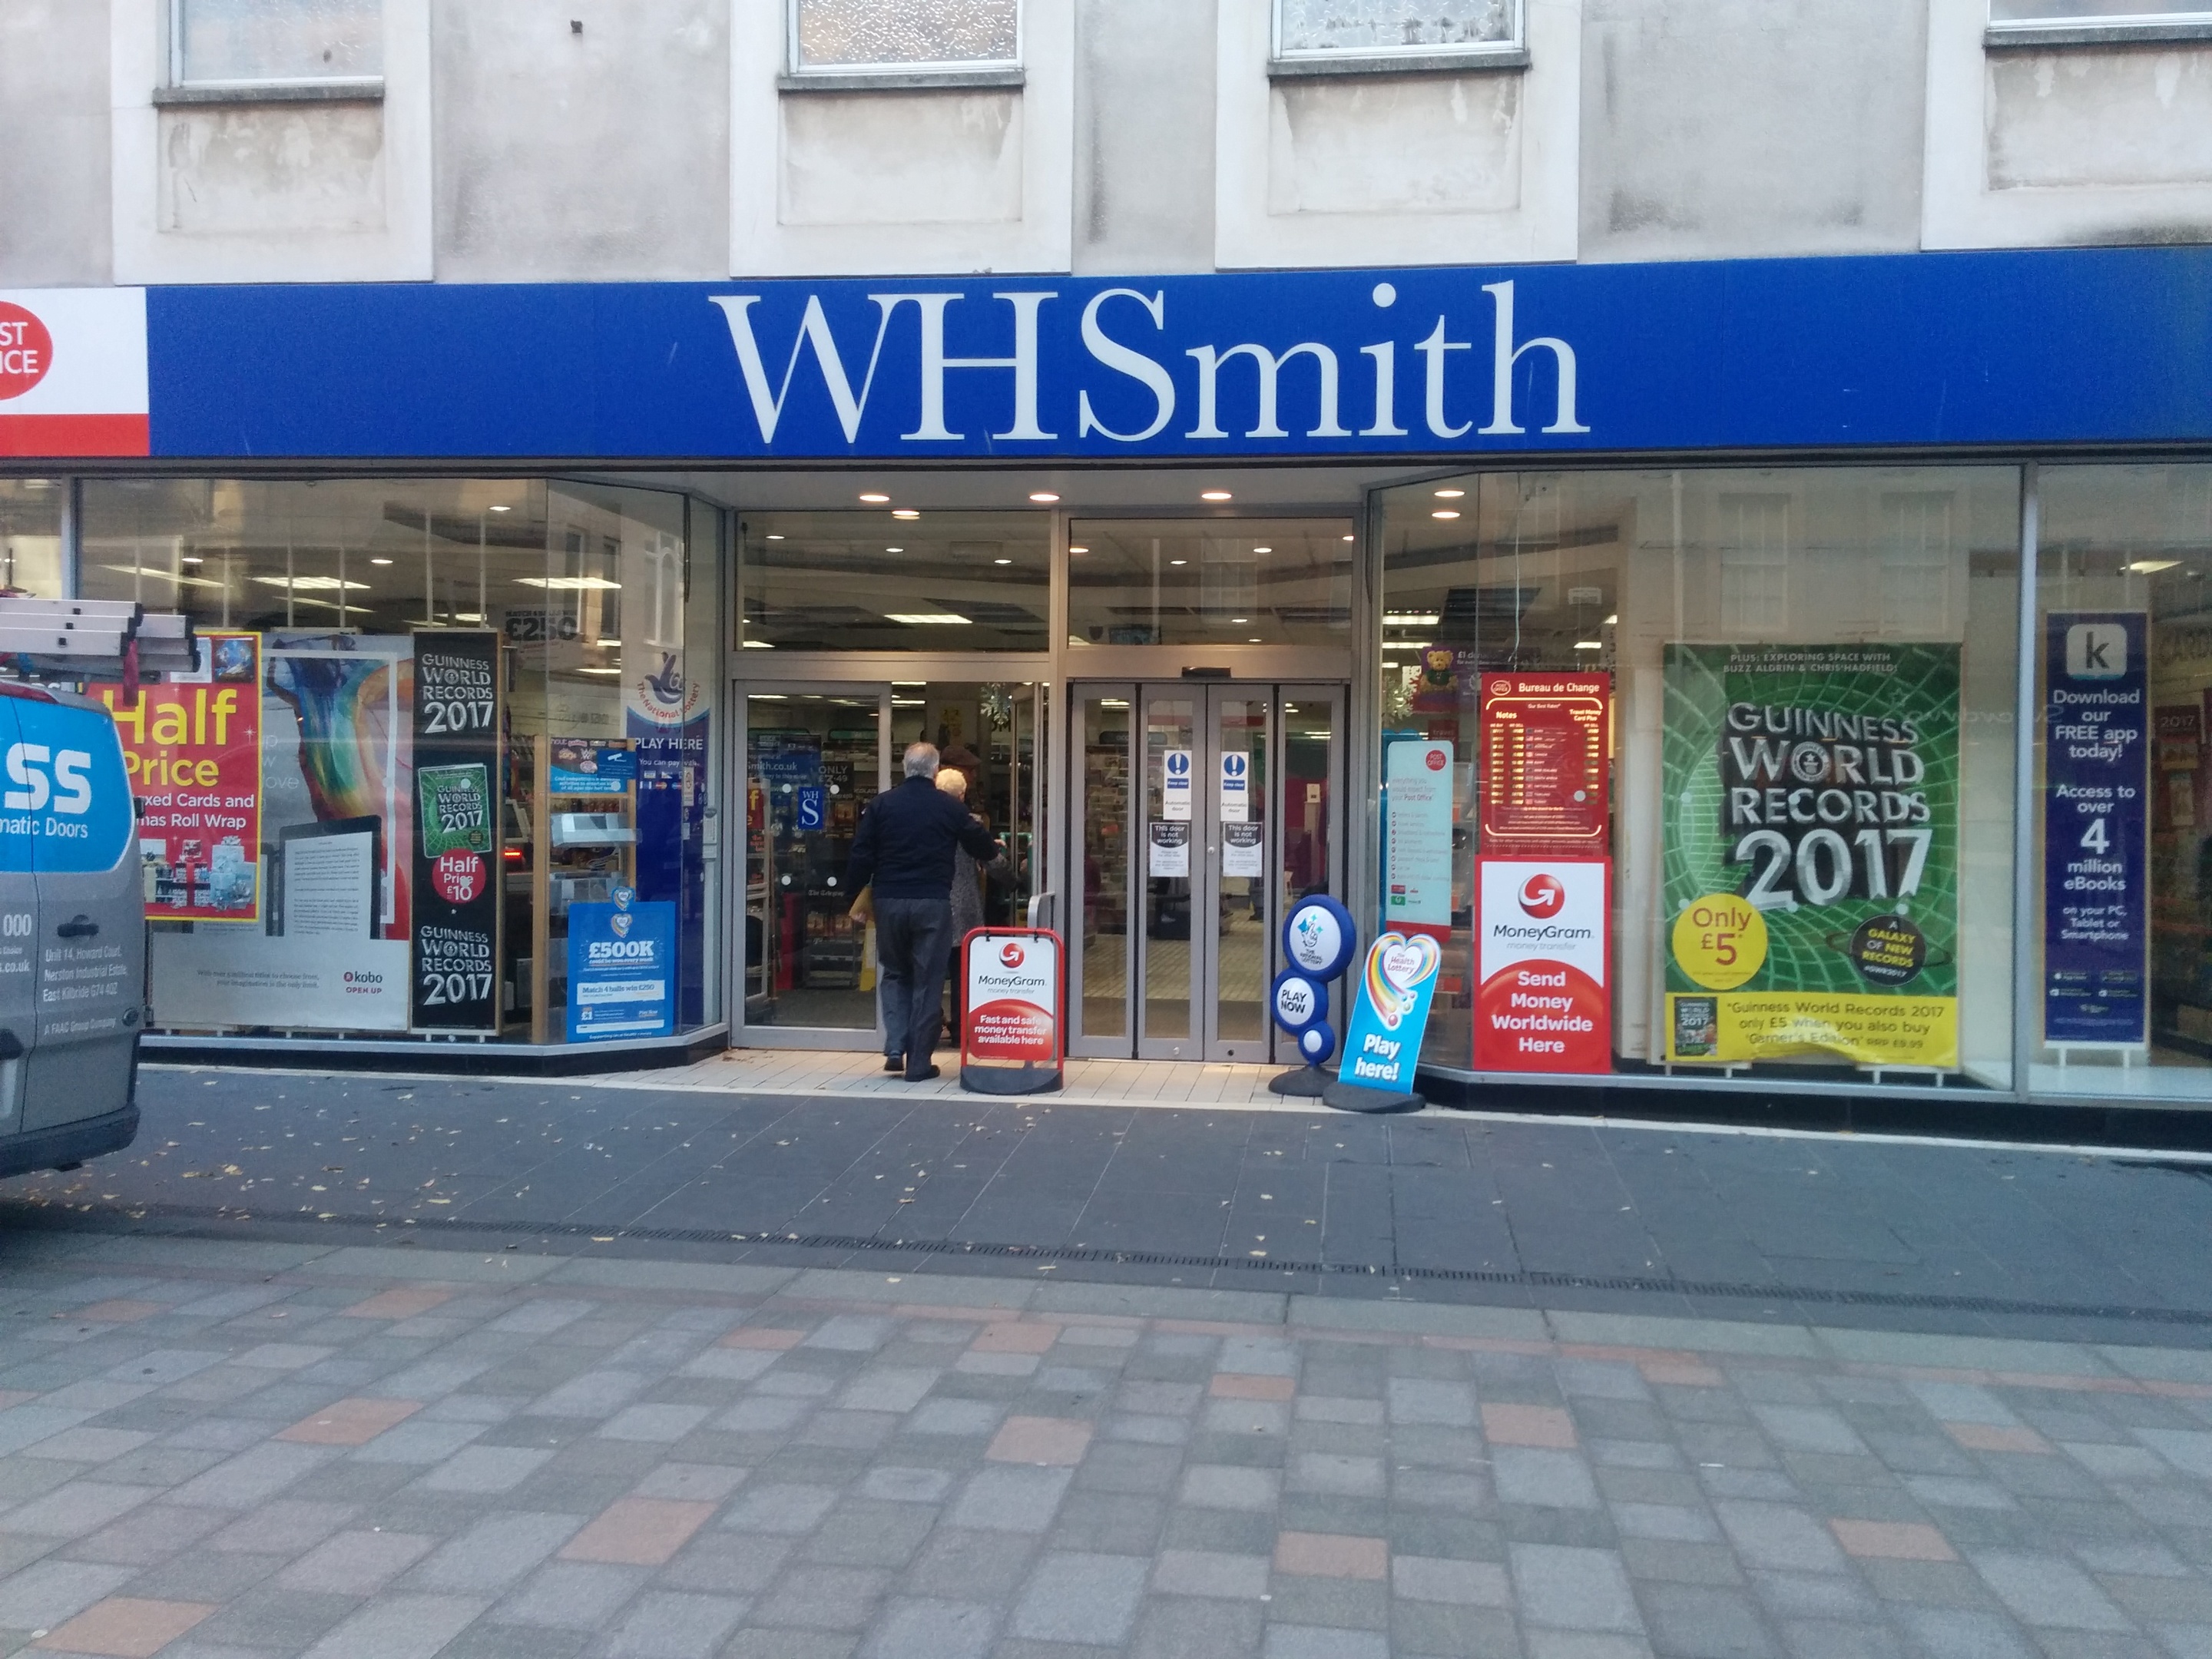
{"x": 231, "y": 1452}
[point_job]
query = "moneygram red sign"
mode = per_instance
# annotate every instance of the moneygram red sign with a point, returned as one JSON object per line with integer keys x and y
{"x": 73, "y": 372}
{"x": 1011, "y": 1043}
{"x": 1544, "y": 1004}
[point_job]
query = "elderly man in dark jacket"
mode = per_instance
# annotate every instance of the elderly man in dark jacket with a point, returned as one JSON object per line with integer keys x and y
{"x": 905, "y": 848}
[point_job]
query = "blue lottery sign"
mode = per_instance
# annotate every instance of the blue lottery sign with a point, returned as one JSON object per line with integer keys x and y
{"x": 622, "y": 969}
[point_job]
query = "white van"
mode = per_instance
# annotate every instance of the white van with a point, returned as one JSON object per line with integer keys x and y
{"x": 72, "y": 934}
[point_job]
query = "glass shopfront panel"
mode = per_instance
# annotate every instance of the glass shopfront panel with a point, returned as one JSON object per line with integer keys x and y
{"x": 31, "y": 535}
{"x": 1209, "y": 581}
{"x": 2120, "y": 988}
{"x": 894, "y": 578}
{"x": 1732, "y": 754}
{"x": 463, "y": 708}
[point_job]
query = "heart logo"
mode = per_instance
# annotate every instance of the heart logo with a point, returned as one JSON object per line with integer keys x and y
{"x": 1397, "y": 967}
{"x": 620, "y": 922}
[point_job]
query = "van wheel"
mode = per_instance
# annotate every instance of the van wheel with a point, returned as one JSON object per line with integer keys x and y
{"x": 63, "y": 1168}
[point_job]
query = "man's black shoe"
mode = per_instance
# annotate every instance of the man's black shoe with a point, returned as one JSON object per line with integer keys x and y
{"x": 924, "y": 1077}
{"x": 894, "y": 1062}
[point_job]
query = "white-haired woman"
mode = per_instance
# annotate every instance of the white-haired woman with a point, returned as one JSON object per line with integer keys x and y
{"x": 967, "y": 894}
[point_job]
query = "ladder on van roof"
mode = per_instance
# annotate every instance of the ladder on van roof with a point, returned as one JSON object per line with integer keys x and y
{"x": 89, "y": 639}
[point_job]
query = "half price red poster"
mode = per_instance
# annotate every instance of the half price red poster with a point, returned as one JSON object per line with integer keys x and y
{"x": 192, "y": 751}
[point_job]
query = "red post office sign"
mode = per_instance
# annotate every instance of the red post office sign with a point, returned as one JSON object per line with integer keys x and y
{"x": 1013, "y": 1040}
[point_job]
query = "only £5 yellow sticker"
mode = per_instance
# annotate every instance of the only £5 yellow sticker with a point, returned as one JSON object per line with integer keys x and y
{"x": 1720, "y": 941}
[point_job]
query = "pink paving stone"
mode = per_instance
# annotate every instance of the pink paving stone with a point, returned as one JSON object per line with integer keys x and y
{"x": 119, "y": 1311}
{"x": 639, "y": 1532}
{"x": 126, "y": 1627}
{"x": 1015, "y": 1336}
{"x": 1991, "y": 1437}
{"x": 762, "y": 1336}
{"x": 1528, "y": 1425}
{"x": 1242, "y": 1385}
{"x": 350, "y": 1422}
{"x": 403, "y": 1303}
{"x": 1687, "y": 1376}
{"x": 1331, "y": 1555}
{"x": 1061, "y": 1441}
{"x": 1892, "y": 1541}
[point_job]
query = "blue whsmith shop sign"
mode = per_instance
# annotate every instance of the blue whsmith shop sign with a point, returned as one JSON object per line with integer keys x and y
{"x": 2088, "y": 347}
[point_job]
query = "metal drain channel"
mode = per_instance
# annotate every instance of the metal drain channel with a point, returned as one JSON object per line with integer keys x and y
{"x": 954, "y": 1249}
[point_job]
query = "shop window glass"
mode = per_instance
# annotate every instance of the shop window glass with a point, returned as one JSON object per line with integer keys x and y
{"x": 2121, "y": 986}
{"x": 877, "y": 581}
{"x": 1804, "y": 679}
{"x": 249, "y": 42}
{"x": 873, "y": 35}
{"x": 1316, "y": 29}
{"x": 358, "y": 621}
{"x": 31, "y": 535}
{"x": 2121, "y": 12}
{"x": 1209, "y": 581}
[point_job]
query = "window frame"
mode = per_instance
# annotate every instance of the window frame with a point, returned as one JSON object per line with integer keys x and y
{"x": 182, "y": 88}
{"x": 1510, "y": 53}
{"x": 2095, "y": 29}
{"x": 796, "y": 76}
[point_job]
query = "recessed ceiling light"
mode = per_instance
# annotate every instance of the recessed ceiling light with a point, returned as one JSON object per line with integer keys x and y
{"x": 496, "y": 508}
{"x": 1613, "y": 619}
{"x": 569, "y": 584}
{"x": 1178, "y": 561}
{"x": 190, "y": 558}
{"x": 379, "y": 562}
{"x": 599, "y": 670}
{"x": 873, "y": 497}
{"x": 927, "y": 618}
{"x": 1351, "y": 538}
{"x": 1443, "y": 513}
{"x": 775, "y": 538}
{"x": 1215, "y": 495}
{"x": 1263, "y": 550}
{"x": 1002, "y": 561}
{"x": 1043, "y": 495}
{"x": 2152, "y": 566}
{"x": 895, "y": 549}
{"x": 758, "y": 645}
{"x": 1256, "y": 639}
{"x": 1449, "y": 494}
{"x": 1240, "y": 619}
{"x": 904, "y": 512}
{"x": 1078, "y": 550}
{"x": 312, "y": 583}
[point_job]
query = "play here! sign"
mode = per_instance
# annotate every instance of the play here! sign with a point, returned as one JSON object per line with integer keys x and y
{"x": 73, "y": 372}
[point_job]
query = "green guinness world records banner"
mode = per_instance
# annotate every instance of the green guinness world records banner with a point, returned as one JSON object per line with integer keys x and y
{"x": 1811, "y": 880}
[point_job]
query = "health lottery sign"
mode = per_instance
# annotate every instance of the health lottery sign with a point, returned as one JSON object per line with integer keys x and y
{"x": 192, "y": 749}
{"x": 1544, "y": 1003}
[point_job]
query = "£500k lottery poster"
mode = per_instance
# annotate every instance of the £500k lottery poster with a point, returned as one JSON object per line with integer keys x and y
{"x": 1811, "y": 853}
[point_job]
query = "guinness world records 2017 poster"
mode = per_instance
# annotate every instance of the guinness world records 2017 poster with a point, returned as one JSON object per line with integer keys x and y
{"x": 1811, "y": 872}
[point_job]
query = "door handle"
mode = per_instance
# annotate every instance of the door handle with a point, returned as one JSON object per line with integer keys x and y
{"x": 77, "y": 927}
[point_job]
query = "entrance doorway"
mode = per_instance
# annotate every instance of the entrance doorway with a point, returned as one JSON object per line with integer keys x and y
{"x": 815, "y": 756}
{"x": 1201, "y": 811}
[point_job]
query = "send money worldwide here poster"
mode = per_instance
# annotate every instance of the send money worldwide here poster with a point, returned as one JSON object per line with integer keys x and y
{"x": 1811, "y": 883}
